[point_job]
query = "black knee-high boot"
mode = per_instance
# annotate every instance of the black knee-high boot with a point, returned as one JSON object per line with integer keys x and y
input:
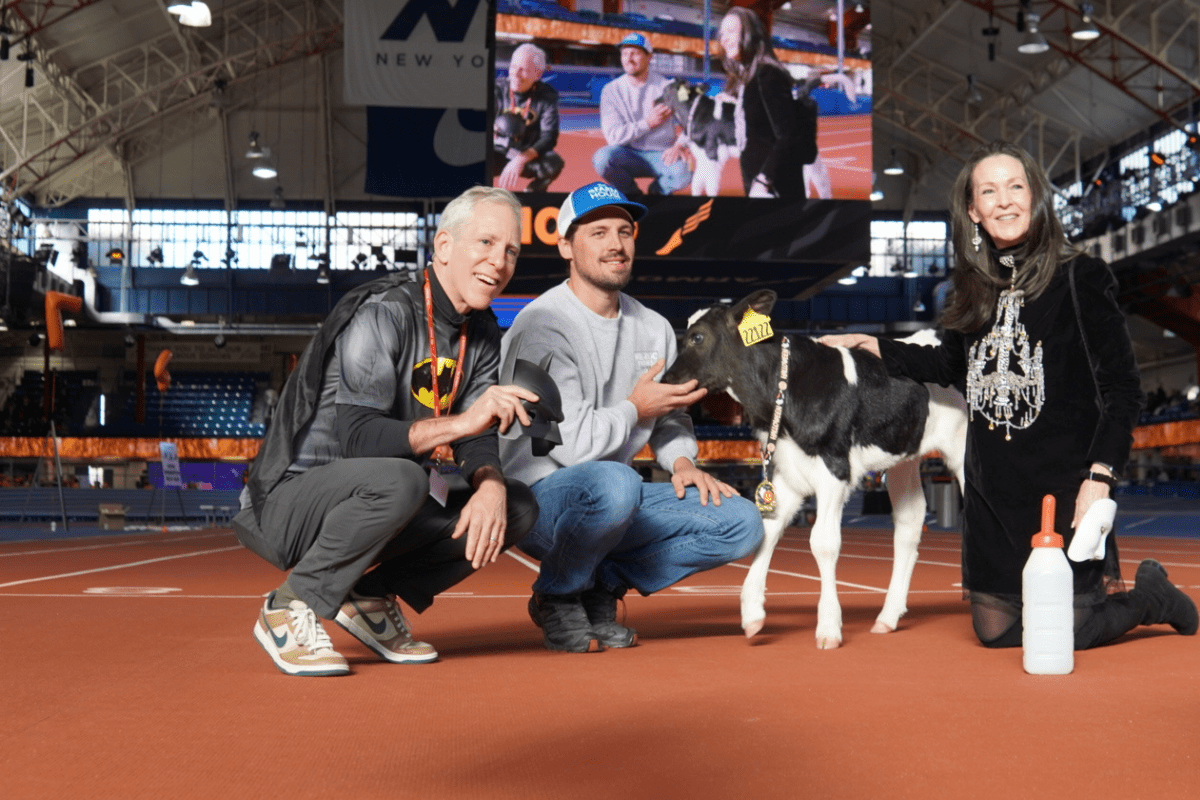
{"x": 1154, "y": 600}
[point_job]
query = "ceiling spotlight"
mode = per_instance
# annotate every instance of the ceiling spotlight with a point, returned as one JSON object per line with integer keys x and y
{"x": 28, "y": 58}
{"x": 323, "y": 274}
{"x": 277, "y": 199}
{"x": 156, "y": 255}
{"x": 1034, "y": 42}
{"x": 189, "y": 275}
{"x": 130, "y": 341}
{"x": 35, "y": 339}
{"x": 196, "y": 15}
{"x": 1157, "y": 158}
{"x": 973, "y": 95}
{"x": 359, "y": 260}
{"x": 256, "y": 150}
{"x": 5, "y": 32}
{"x": 219, "y": 341}
{"x": 115, "y": 255}
{"x": 991, "y": 33}
{"x": 895, "y": 168}
{"x": 264, "y": 170}
{"x": 876, "y": 195}
{"x": 1087, "y": 31}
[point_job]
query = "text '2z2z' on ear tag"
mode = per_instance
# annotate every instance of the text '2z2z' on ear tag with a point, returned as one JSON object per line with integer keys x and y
{"x": 754, "y": 327}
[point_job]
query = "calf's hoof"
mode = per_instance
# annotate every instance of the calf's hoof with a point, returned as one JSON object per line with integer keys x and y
{"x": 882, "y": 627}
{"x": 828, "y": 643}
{"x": 753, "y": 627}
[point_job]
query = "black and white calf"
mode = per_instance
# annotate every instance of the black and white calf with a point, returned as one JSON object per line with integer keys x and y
{"x": 708, "y": 125}
{"x": 843, "y": 416}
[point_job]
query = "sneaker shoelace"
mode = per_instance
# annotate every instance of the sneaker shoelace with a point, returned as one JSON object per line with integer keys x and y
{"x": 392, "y": 611}
{"x": 309, "y": 633}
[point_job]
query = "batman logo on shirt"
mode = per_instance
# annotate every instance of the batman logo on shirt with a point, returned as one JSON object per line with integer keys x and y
{"x": 422, "y": 386}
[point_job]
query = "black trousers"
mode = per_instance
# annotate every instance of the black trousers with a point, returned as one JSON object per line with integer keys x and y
{"x": 331, "y": 524}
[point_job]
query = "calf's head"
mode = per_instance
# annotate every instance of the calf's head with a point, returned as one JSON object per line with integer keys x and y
{"x": 713, "y": 351}
{"x": 678, "y": 95}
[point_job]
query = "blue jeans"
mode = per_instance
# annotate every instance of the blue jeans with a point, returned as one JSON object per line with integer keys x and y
{"x": 619, "y": 165}
{"x": 600, "y": 524}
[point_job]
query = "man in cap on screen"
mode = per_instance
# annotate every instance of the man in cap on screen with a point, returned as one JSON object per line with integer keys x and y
{"x": 640, "y": 131}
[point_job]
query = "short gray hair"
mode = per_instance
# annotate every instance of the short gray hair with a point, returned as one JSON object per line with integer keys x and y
{"x": 460, "y": 209}
{"x": 536, "y": 53}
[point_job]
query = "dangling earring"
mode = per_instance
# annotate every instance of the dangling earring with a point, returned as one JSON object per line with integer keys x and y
{"x": 976, "y": 240}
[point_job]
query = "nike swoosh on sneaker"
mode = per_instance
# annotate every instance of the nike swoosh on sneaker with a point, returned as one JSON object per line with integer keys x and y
{"x": 379, "y": 629}
{"x": 280, "y": 641}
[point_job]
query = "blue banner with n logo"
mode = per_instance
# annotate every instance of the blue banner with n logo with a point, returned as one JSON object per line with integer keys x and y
{"x": 417, "y": 53}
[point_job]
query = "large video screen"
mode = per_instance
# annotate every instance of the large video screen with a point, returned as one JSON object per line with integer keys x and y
{"x": 710, "y": 232}
{"x": 593, "y": 94}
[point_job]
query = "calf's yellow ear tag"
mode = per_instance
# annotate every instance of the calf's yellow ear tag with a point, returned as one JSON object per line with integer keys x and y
{"x": 754, "y": 327}
{"x": 682, "y": 94}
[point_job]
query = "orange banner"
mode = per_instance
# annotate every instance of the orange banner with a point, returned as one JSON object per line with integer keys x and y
{"x": 96, "y": 448}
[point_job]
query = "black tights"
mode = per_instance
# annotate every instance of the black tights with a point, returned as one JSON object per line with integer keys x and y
{"x": 997, "y": 620}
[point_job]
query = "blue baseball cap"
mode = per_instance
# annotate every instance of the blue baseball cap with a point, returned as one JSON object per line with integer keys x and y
{"x": 636, "y": 40}
{"x": 587, "y": 199}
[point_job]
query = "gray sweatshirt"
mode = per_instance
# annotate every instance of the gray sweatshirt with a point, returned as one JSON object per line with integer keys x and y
{"x": 623, "y": 109}
{"x": 596, "y": 363}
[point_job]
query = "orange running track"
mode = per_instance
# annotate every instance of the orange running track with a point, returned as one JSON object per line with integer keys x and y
{"x": 844, "y": 143}
{"x": 130, "y": 671}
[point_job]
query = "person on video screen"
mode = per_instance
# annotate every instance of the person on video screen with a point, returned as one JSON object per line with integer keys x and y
{"x": 526, "y": 127}
{"x": 775, "y": 135}
{"x": 640, "y": 130}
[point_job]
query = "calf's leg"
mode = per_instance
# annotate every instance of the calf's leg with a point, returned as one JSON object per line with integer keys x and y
{"x": 754, "y": 588}
{"x": 908, "y": 517}
{"x": 825, "y": 541}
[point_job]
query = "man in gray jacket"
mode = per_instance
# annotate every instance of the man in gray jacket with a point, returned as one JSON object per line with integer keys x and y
{"x": 601, "y": 529}
{"x": 340, "y": 493}
{"x": 640, "y": 131}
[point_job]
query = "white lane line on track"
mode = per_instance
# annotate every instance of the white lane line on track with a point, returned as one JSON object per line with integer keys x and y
{"x": 120, "y": 566}
{"x": 464, "y": 596}
{"x": 524, "y": 561}
{"x": 875, "y": 589}
{"x": 109, "y": 545}
{"x": 844, "y": 554}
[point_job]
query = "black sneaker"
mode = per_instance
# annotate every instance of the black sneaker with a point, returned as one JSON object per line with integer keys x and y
{"x": 1167, "y": 603}
{"x": 564, "y": 623}
{"x": 601, "y": 608}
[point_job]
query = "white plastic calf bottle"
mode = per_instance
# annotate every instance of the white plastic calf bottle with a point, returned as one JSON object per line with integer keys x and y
{"x": 1047, "y": 593}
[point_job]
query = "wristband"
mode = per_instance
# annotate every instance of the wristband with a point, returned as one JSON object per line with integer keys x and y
{"x": 1089, "y": 475}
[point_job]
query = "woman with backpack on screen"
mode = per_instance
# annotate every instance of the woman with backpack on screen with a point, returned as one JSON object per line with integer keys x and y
{"x": 775, "y": 138}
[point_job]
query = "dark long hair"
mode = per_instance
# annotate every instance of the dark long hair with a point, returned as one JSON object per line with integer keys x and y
{"x": 977, "y": 281}
{"x": 754, "y": 50}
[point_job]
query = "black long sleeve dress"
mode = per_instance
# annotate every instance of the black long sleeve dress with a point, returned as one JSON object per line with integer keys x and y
{"x": 1065, "y": 396}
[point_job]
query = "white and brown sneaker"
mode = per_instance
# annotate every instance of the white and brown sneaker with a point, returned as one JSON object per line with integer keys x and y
{"x": 295, "y": 640}
{"x": 378, "y": 623}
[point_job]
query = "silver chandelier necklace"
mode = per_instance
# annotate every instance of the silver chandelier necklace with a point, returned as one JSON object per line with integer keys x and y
{"x": 1005, "y": 379}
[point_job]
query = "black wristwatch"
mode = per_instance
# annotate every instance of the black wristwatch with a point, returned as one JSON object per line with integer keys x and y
{"x": 1088, "y": 475}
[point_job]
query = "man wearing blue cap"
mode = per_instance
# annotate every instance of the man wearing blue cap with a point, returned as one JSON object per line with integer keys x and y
{"x": 601, "y": 529}
{"x": 640, "y": 131}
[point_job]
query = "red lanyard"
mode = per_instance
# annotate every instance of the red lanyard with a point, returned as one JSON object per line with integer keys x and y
{"x": 434, "y": 367}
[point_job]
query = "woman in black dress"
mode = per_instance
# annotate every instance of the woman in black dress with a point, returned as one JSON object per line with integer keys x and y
{"x": 1034, "y": 332}
{"x": 775, "y": 142}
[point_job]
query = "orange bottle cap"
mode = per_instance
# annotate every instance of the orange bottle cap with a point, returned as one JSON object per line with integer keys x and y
{"x": 1047, "y": 537}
